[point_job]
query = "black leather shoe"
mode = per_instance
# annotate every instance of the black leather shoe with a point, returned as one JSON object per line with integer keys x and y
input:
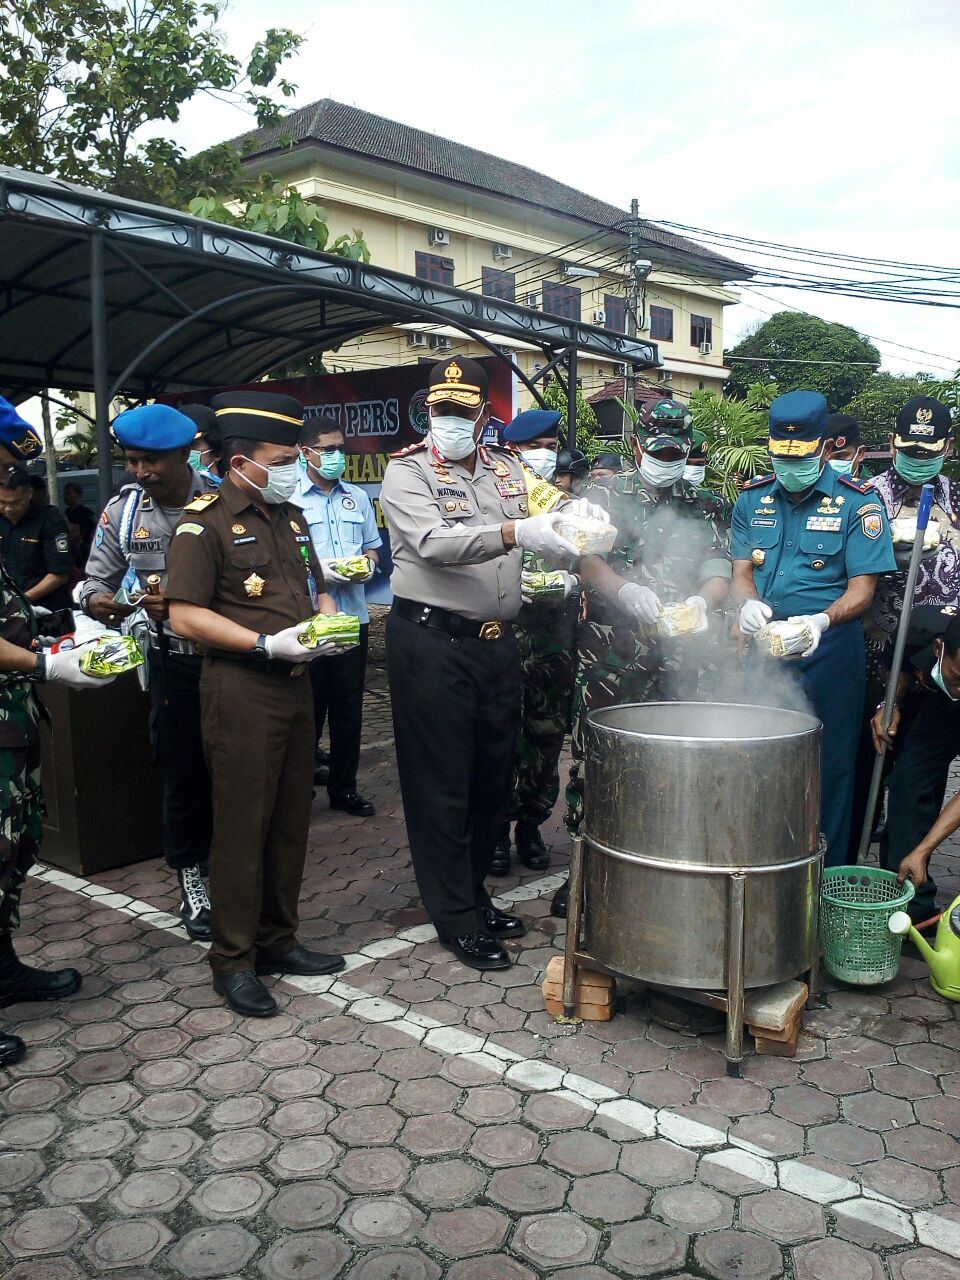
{"x": 321, "y": 775}
{"x": 19, "y": 982}
{"x": 246, "y": 994}
{"x": 303, "y": 963}
{"x": 478, "y": 951}
{"x": 502, "y": 925}
{"x": 531, "y": 850}
{"x": 500, "y": 862}
{"x": 561, "y": 900}
{"x": 321, "y": 756}
{"x": 352, "y": 802}
{"x": 12, "y": 1050}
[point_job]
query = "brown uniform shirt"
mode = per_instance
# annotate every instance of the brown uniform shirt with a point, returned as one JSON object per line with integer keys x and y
{"x": 257, "y": 570}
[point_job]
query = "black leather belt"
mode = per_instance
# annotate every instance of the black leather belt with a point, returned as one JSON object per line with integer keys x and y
{"x": 269, "y": 667}
{"x": 429, "y": 615}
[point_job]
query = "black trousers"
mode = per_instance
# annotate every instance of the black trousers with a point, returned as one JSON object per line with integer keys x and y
{"x": 866, "y": 755}
{"x": 337, "y": 685}
{"x": 918, "y": 785}
{"x": 456, "y": 708}
{"x": 178, "y": 749}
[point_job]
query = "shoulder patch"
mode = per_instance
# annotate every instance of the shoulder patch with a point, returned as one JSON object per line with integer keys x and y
{"x": 759, "y": 480}
{"x": 854, "y": 484}
{"x": 417, "y": 447}
{"x": 188, "y": 528}
{"x": 200, "y": 503}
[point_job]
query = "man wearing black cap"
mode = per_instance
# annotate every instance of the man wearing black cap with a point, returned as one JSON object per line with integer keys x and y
{"x": 243, "y": 581}
{"x": 135, "y": 532}
{"x": 848, "y": 447}
{"x": 460, "y": 520}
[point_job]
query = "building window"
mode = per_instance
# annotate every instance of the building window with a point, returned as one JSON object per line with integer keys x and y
{"x": 701, "y": 330}
{"x": 616, "y": 309}
{"x": 430, "y": 266}
{"x": 661, "y": 323}
{"x": 499, "y": 284}
{"x": 561, "y": 300}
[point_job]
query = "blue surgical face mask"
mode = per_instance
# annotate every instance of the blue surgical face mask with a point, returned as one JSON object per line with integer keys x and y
{"x": 797, "y": 474}
{"x": 936, "y": 676}
{"x": 917, "y": 470}
{"x": 281, "y": 481}
{"x": 842, "y": 466}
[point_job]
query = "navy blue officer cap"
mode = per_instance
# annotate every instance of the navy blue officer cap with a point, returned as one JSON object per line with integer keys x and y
{"x": 156, "y": 428}
{"x": 922, "y": 427}
{"x": 798, "y": 424}
{"x": 843, "y": 430}
{"x": 17, "y": 435}
{"x": 531, "y": 424}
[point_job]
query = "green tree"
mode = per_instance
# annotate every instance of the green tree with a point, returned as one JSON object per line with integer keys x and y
{"x": 275, "y": 209}
{"x": 588, "y": 428}
{"x": 80, "y": 79}
{"x": 876, "y": 406}
{"x": 772, "y": 352}
{"x": 736, "y": 432}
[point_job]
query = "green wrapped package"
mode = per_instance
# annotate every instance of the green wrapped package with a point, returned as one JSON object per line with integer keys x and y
{"x": 111, "y": 656}
{"x": 544, "y": 585}
{"x": 344, "y": 628}
{"x": 356, "y": 568}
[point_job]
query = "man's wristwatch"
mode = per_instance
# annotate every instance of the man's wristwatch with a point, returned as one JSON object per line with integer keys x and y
{"x": 259, "y": 650}
{"x": 39, "y": 673}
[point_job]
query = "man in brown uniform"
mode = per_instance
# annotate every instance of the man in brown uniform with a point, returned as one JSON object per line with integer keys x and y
{"x": 243, "y": 579}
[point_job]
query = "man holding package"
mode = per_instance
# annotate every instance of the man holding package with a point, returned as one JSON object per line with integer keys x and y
{"x": 244, "y": 583}
{"x": 808, "y": 545}
{"x": 460, "y": 520}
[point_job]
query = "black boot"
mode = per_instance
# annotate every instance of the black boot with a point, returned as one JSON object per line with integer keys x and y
{"x": 194, "y": 904}
{"x": 21, "y": 984}
{"x": 12, "y": 1050}
{"x": 500, "y": 862}
{"x": 561, "y": 900}
{"x": 531, "y": 850}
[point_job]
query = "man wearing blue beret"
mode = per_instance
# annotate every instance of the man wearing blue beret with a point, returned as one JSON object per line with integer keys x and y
{"x": 545, "y": 632}
{"x": 134, "y": 535}
{"x": 18, "y": 440}
{"x": 809, "y": 543}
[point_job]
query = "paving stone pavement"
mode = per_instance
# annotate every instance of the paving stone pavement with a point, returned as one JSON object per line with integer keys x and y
{"x": 413, "y": 1119}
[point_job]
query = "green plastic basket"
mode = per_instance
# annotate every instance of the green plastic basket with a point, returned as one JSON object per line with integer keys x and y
{"x": 855, "y": 905}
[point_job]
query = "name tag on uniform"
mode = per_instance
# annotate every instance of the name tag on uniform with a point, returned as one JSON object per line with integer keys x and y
{"x": 445, "y": 492}
{"x": 511, "y": 488}
{"x": 240, "y": 542}
{"x": 301, "y": 537}
{"x": 765, "y": 524}
{"x": 825, "y": 524}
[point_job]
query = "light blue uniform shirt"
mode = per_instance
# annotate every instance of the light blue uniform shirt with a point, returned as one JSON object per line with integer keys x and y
{"x": 342, "y": 523}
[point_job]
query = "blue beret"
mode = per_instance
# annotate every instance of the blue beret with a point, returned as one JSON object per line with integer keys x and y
{"x": 532, "y": 423}
{"x": 154, "y": 427}
{"x": 798, "y": 424}
{"x": 18, "y": 436}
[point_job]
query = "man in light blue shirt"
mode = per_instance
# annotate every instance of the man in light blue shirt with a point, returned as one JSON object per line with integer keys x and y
{"x": 342, "y": 525}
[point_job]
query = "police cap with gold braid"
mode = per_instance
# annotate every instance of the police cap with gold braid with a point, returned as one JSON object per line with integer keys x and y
{"x": 259, "y": 415}
{"x": 458, "y": 380}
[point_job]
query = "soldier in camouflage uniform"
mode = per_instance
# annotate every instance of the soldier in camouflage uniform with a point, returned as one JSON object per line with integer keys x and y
{"x": 672, "y": 546}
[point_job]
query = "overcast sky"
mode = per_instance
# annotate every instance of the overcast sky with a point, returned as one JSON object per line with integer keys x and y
{"x": 834, "y": 124}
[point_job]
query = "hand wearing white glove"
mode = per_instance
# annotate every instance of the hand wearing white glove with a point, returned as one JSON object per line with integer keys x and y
{"x": 64, "y": 668}
{"x": 286, "y": 645}
{"x": 539, "y": 534}
{"x": 753, "y": 615}
{"x": 701, "y": 604}
{"x": 330, "y": 574}
{"x": 570, "y": 582}
{"x": 589, "y": 510}
{"x": 818, "y": 624}
{"x": 372, "y": 570}
{"x": 641, "y": 602}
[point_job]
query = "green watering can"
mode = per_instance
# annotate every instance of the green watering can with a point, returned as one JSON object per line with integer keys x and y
{"x": 944, "y": 956}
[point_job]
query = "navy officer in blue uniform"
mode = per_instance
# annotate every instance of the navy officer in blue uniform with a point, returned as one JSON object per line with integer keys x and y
{"x": 809, "y": 544}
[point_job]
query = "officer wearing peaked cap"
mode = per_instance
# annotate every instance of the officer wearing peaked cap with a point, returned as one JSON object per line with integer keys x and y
{"x": 808, "y": 545}
{"x": 134, "y": 533}
{"x": 243, "y": 581}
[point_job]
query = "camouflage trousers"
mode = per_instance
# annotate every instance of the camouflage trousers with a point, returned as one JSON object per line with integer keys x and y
{"x": 21, "y": 821}
{"x": 546, "y": 685}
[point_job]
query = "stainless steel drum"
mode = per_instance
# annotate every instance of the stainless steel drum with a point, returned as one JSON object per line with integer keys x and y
{"x": 678, "y": 796}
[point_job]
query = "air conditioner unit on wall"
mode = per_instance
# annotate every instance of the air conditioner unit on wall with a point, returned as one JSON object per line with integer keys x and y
{"x": 599, "y": 316}
{"x": 439, "y": 236}
{"x": 664, "y": 375}
{"x": 706, "y": 348}
{"x": 502, "y": 252}
{"x": 440, "y": 344}
{"x": 416, "y": 339}
{"x": 533, "y": 300}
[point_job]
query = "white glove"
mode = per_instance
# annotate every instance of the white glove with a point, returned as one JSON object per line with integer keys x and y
{"x": 286, "y": 645}
{"x": 64, "y": 668}
{"x": 539, "y": 534}
{"x": 330, "y": 574}
{"x": 570, "y": 582}
{"x": 589, "y": 510}
{"x": 373, "y": 569}
{"x": 641, "y": 602}
{"x": 818, "y": 624}
{"x": 702, "y": 605}
{"x": 753, "y": 615}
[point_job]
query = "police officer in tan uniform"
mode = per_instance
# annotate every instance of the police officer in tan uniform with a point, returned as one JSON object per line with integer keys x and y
{"x": 243, "y": 579}
{"x": 459, "y": 521}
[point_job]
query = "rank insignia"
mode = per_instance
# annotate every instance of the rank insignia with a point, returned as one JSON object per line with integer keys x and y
{"x": 238, "y": 528}
{"x": 449, "y": 506}
{"x": 500, "y": 468}
{"x": 104, "y": 518}
{"x": 872, "y": 525}
{"x": 758, "y": 556}
{"x": 817, "y": 564}
{"x": 254, "y": 585}
{"x": 295, "y": 527}
{"x": 142, "y": 532}
{"x": 464, "y": 506}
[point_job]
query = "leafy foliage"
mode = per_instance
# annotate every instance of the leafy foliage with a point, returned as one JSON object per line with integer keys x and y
{"x": 736, "y": 432}
{"x": 275, "y": 209}
{"x": 849, "y": 360}
{"x": 588, "y": 427}
{"x": 876, "y": 406}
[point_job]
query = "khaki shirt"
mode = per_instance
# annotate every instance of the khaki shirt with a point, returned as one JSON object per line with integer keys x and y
{"x": 257, "y": 570}
{"x": 445, "y": 531}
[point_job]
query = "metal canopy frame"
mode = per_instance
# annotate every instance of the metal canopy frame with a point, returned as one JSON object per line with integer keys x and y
{"x": 110, "y": 295}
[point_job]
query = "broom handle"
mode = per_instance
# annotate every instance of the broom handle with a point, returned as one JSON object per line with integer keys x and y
{"x": 890, "y": 699}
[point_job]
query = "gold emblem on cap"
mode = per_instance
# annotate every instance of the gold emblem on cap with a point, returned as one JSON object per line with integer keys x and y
{"x": 924, "y": 415}
{"x": 453, "y": 372}
{"x": 254, "y": 585}
{"x": 238, "y": 528}
{"x": 757, "y": 556}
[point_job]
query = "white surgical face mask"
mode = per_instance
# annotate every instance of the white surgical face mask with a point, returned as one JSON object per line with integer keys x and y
{"x": 281, "y": 481}
{"x": 696, "y": 475}
{"x": 542, "y": 461}
{"x": 661, "y": 475}
{"x": 454, "y": 436}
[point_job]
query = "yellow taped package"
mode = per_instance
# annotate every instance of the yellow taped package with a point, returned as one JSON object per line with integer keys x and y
{"x": 343, "y": 628}
{"x": 590, "y": 537}
{"x": 543, "y": 585}
{"x": 681, "y": 619}
{"x": 111, "y": 656}
{"x": 784, "y": 639}
{"x": 356, "y": 568}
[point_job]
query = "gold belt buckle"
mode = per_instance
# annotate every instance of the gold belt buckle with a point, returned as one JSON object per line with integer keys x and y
{"x": 491, "y": 631}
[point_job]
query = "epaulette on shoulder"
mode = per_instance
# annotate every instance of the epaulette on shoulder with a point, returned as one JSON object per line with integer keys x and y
{"x": 757, "y": 481}
{"x": 201, "y": 502}
{"x": 859, "y": 485}
{"x": 405, "y": 452}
